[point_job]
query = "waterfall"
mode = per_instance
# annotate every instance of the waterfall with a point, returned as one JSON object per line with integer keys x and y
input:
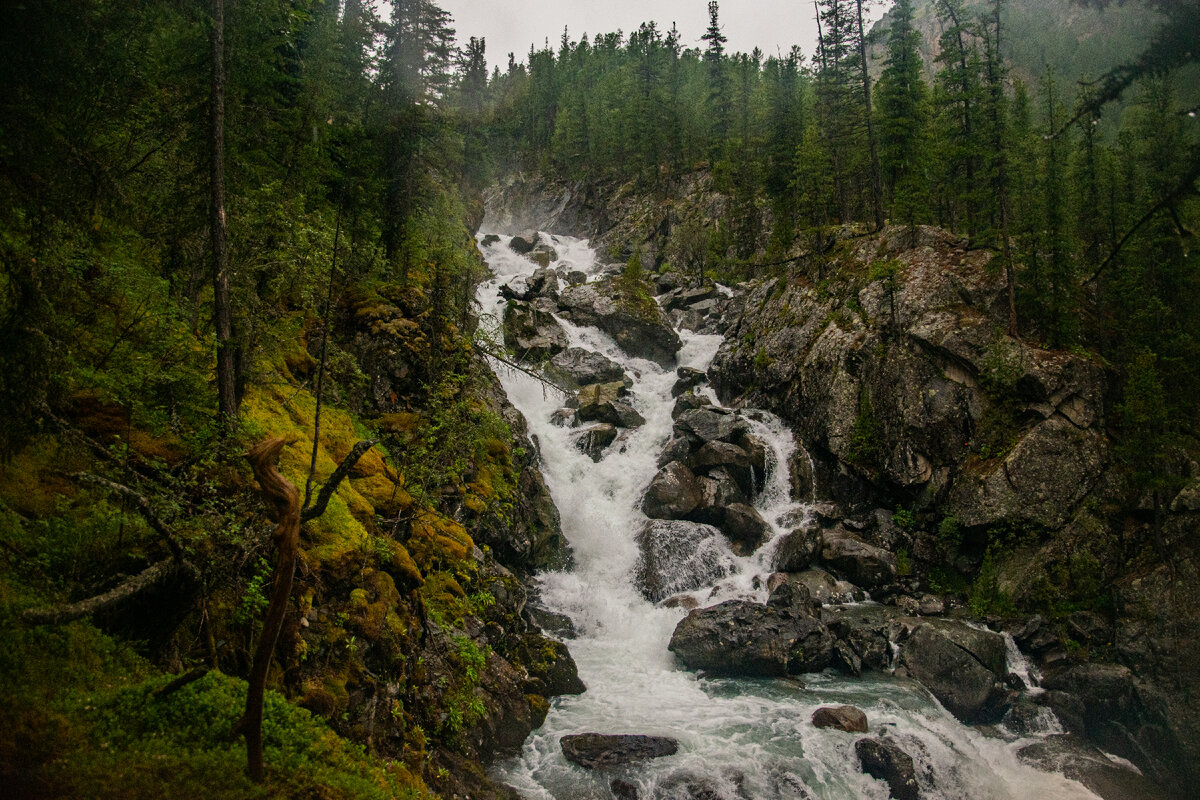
{"x": 739, "y": 738}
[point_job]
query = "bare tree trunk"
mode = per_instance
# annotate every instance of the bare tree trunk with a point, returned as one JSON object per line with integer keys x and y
{"x": 284, "y": 501}
{"x": 227, "y": 399}
{"x": 876, "y": 177}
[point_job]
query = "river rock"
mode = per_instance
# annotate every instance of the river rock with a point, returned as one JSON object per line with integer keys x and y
{"x": 688, "y": 379}
{"x": 678, "y": 448}
{"x": 708, "y": 425}
{"x": 863, "y": 564}
{"x": 867, "y": 630}
{"x": 797, "y": 550}
{"x": 883, "y": 760}
{"x": 595, "y": 750}
{"x": 637, "y": 324}
{"x": 732, "y": 458}
{"x": 595, "y": 439}
{"x": 576, "y": 367}
{"x": 489, "y": 240}
{"x": 719, "y": 490}
{"x": 524, "y": 243}
{"x": 686, "y": 402}
{"x": 843, "y": 718}
{"x": 602, "y": 403}
{"x": 673, "y": 494}
{"x": 960, "y": 665}
{"x": 531, "y": 333}
{"x": 744, "y": 526}
{"x": 680, "y": 556}
{"x": 748, "y": 639}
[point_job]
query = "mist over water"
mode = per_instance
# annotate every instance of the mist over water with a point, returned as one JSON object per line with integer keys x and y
{"x": 739, "y": 738}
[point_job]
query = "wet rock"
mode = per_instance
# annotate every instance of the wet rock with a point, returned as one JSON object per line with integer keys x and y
{"x": 623, "y": 790}
{"x": 531, "y": 333}
{"x": 960, "y": 665}
{"x": 678, "y": 448}
{"x": 744, "y": 526}
{"x": 719, "y": 490}
{"x": 602, "y": 403}
{"x": 596, "y": 750}
{"x": 883, "y": 760}
{"x": 931, "y": 606}
{"x": 544, "y": 254}
{"x": 690, "y": 297}
{"x": 489, "y": 240}
{"x": 595, "y": 439}
{"x": 576, "y": 367}
{"x": 638, "y": 325}
{"x": 549, "y": 662}
{"x": 1105, "y": 691}
{"x": 748, "y": 639}
{"x": 797, "y": 550}
{"x": 843, "y": 718}
{"x": 732, "y": 458}
{"x": 827, "y": 589}
{"x": 673, "y": 494}
{"x": 845, "y": 659}
{"x": 688, "y": 402}
{"x": 680, "y": 556}
{"x": 868, "y": 631}
{"x": 708, "y": 425}
{"x": 688, "y": 379}
{"x": 552, "y": 622}
{"x": 757, "y": 450}
{"x": 1091, "y": 767}
{"x": 863, "y": 564}
{"x": 790, "y": 594}
{"x": 525, "y": 242}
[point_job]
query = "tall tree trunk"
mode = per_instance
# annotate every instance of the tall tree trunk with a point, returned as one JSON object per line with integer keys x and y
{"x": 227, "y": 399}
{"x": 876, "y": 177}
{"x": 1001, "y": 151}
{"x": 283, "y": 499}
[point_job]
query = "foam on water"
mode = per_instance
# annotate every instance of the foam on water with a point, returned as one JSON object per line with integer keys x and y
{"x": 742, "y": 738}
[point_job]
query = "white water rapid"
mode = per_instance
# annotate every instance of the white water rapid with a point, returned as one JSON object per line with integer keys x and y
{"x": 738, "y": 738}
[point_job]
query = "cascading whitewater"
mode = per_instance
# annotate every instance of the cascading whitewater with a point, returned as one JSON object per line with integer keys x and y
{"x": 738, "y": 738}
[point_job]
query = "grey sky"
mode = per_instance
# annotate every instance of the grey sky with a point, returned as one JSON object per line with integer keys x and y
{"x": 512, "y": 25}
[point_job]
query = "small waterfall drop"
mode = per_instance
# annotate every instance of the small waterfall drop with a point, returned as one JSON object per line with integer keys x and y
{"x": 739, "y": 738}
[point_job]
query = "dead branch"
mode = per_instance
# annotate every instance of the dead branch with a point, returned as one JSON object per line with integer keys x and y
{"x": 339, "y": 475}
{"x": 142, "y": 503}
{"x": 283, "y": 501}
{"x": 542, "y": 379}
{"x": 180, "y": 682}
{"x": 59, "y": 615}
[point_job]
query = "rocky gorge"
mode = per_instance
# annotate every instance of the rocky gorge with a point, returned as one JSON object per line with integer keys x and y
{"x": 949, "y": 475}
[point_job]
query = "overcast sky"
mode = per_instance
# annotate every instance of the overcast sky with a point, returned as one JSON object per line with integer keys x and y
{"x": 513, "y": 25}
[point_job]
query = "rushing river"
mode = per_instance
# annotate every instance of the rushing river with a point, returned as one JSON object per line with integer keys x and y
{"x": 738, "y": 738}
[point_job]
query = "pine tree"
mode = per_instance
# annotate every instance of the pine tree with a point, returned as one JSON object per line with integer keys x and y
{"x": 719, "y": 105}
{"x": 903, "y": 119}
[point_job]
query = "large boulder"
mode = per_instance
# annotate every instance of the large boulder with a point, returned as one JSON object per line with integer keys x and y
{"x": 797, "y": 550}
{"x": 744, "y": 526}
{"x": 883, "y": 760}
{"x": 673, "y": 494}
{"x": 732, "y": 458}
{"x": 863, "y": 564}
{"x": 604, "y": 403}
{"x": 709, "y": 424}
{"x": 524, "y": 242}
{"x": 593, "y": 750}
{"x": 680, "y": 556}
{"x": 748, "y": 639}
{"x": 532, "y": 333}
{"x": 963, "y": 667}
{"x": 595, "y": 439}
{"x": 637, "y": 324}
{"x": 843, "y": 718}
{"x": 576, "y": 367}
